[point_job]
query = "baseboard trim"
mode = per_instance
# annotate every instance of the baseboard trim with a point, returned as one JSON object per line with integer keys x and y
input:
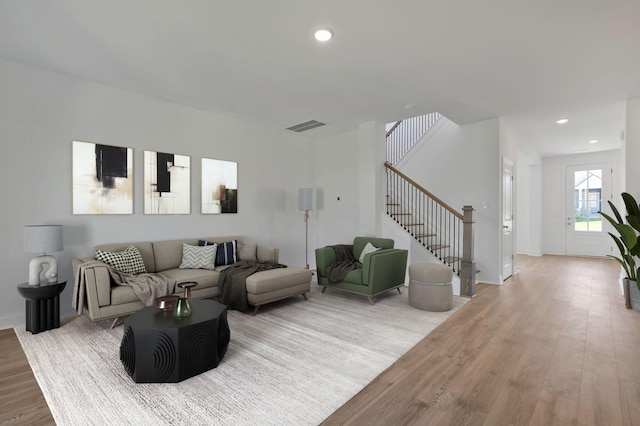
{"x": 487, "y": 282}
{"x": 11, "y": 321}
{"x": 531, "y": 253}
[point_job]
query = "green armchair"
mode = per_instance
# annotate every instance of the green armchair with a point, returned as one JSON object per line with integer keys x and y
{"x": 380, "y": 271}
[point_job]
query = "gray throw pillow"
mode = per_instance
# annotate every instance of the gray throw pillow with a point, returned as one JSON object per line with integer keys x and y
{"x": 195, "y": 257}
{"x": 247, "y": 252}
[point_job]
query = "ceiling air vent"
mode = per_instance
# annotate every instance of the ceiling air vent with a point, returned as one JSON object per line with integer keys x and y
{"x": 308, "y": 125}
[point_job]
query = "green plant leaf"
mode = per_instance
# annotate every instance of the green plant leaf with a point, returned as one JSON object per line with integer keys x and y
{"x": 634, "y": 221}
{"x": 609, "y": 218}
{"x": 635, "y": 250}
{"x": 631, "y": 271}
{"x": 623, "y": 264}
{"x": 627, "y": 234}
{"x": 621, "y": 246}
{"x": 615, "y": 212}
{"x": 633, "y": 210}
{"x": 631, "y": 205}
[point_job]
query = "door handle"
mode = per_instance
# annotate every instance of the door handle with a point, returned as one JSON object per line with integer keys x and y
{"x": 505, "y": 226}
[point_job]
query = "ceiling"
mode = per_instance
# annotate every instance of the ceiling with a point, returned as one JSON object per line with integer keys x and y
{"x": 530, "y": 62}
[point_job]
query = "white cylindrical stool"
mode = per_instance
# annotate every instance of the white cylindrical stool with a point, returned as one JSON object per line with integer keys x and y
{"x": 430, "y": 287}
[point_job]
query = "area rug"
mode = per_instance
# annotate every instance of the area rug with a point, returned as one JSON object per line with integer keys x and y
{"x": 294, "y": 363}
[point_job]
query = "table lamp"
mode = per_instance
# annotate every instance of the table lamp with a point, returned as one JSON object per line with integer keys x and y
{"x": 43, "y": 239}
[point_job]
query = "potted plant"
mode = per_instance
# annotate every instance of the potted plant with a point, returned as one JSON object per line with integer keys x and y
{"x": 628, "y": 243}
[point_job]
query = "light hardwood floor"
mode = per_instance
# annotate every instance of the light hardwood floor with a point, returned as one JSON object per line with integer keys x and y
{"x": 553, "y": 345}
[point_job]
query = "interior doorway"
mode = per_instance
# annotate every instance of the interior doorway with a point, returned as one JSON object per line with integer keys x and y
{"x": 508, "y": 257}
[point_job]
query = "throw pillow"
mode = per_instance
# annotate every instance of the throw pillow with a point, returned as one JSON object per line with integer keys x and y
{"x": 128, "y": 261}
{"x": 248, "y": 252}
{"x": 226, "y": 254}
{"x": 194, "y": 257}
{"x": 369, "y": 248}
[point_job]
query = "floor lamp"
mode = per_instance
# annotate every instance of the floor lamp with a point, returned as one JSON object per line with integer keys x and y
{"x": 307, "y": 203}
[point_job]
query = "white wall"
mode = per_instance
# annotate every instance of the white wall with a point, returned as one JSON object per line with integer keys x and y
{"x": 371, "y": 173}
{"x": 337, "y": 174}
{"x": 632, "y": 148}
{"x": 42, "y": 112}
{"x": 462, "y": 165}
{"x": 554, "y": 222}
{"x": 529, "y": 205}
{"x": 527, "y": 192}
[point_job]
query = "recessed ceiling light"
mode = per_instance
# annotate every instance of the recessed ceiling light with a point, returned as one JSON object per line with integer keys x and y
{"x": 323, "y": 34}
{"x": 562, "y": 120}
{"x": 593, "y": 141}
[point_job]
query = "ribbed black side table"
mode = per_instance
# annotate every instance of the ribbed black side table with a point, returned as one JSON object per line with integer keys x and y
{"x": 42, "y": 305}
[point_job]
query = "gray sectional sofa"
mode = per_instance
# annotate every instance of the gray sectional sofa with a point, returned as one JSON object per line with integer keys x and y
{"x": 103, "y": 299}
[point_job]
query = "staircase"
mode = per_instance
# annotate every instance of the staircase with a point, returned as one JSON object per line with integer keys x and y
{"x": 404, "y": 134}
{"x": 444, "y": 232}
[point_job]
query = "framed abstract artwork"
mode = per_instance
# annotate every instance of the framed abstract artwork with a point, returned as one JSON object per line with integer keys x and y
{"x": 167, "y": 183}
{"x": 102, "y": 179}
{"x": 219, "y": 186}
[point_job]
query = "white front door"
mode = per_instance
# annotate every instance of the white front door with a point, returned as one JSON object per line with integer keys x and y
{"x": 507, "y": 219}
{"x": 588, "y": 189}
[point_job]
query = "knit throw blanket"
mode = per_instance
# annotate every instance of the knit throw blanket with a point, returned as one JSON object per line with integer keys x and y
{"x": 233, "y": 282}
{"x": 345, "y": 263}
{"x": 147, "y": 286}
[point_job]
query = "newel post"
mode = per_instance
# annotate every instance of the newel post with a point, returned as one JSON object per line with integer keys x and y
{"x": 468, "y": 266}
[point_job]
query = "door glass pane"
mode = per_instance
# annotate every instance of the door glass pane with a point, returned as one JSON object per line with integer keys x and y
{"x": 588, "y": 200}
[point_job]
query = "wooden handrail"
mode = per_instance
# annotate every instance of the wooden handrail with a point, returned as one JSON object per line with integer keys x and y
{"x": 393, "y": 128}
{"x": 423, "y": 190}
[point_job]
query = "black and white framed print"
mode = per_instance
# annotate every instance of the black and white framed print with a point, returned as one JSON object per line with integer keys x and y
{"x": 167, "y": 183}
{"x": 219, "y": 186}
{"x": 102, "y": 179}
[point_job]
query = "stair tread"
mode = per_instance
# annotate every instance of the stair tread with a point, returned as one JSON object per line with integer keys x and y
{"x": 438, "y": 246}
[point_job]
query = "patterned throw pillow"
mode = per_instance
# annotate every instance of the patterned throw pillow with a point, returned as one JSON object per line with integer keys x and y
{"x": 194, "y": 257}
{"x": 226, "y": 253}
{"x": 369, "y": 248}
{"x": 128, "y": 261}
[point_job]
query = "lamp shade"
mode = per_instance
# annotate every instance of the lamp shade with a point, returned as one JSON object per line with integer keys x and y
{"x": 306, "y": 199}
{"x": 42, "y": 238}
